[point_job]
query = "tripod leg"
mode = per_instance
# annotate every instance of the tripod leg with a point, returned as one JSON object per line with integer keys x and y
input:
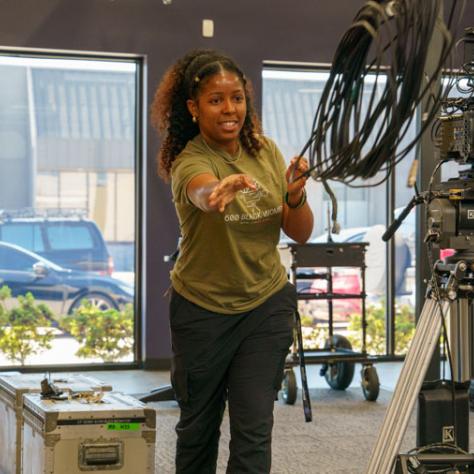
{"x": 408, "y": 386}
{"x": 459, "y": 334}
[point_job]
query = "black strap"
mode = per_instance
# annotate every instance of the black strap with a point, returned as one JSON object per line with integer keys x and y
{"x": 308, "y": 414}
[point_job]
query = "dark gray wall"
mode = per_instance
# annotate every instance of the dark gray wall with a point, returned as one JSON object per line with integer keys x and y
{"x": 249, "y": 30}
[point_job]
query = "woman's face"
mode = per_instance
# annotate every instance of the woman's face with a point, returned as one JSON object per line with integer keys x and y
{"x": 220, "y": 109}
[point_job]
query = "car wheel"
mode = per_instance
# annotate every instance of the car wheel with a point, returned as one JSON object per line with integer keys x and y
{"x": 98, "y": 300}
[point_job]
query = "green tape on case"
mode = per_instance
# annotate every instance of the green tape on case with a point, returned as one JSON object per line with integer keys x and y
{"x": 123, "y": 426}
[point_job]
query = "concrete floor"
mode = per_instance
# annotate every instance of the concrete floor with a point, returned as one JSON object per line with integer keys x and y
{"x": 142, "y": 381}
{"x": 132, "y": 381}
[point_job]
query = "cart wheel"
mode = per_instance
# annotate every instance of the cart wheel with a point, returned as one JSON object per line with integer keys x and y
{"x": 339, "y": 375}
{"x": 289, "y": 388}
{"x": 370, "y": 383}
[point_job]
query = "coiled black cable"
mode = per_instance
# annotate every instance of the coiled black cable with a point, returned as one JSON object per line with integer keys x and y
{"x": 355, "y": 137}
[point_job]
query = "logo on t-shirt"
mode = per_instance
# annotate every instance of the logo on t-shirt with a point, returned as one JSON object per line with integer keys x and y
{"x": 256, "y": 205}
{"x": 251, "y": 197}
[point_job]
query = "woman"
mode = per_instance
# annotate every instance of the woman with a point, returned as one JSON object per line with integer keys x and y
{"x": 231, "y": 308}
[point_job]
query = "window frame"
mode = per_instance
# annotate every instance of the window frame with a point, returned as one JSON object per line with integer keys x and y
{"x": 140, "y": 111}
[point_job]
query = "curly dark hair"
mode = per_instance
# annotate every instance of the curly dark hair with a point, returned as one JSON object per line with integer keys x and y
{"x": 169, "y": 112}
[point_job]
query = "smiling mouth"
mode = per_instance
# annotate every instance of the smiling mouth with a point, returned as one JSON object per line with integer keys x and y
{"x": 229, "y": 124}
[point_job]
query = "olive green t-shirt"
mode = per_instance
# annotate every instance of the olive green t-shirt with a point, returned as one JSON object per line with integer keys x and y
{"x": 229, "y": 262}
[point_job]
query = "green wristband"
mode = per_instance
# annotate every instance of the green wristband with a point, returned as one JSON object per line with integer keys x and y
{"x": 300, "y": 203}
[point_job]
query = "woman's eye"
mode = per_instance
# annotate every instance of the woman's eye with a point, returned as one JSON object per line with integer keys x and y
{"x": 239, "y": 98}
{"x": 215, "y": 101}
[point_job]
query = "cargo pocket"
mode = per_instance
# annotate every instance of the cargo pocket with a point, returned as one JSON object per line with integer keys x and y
{"x": 177, "y": 315}
{"x": 282, "y": 339}
{"x": 179, "y": 380}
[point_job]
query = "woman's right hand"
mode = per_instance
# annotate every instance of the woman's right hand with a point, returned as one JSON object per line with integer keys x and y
{"x": 226, "y": 190}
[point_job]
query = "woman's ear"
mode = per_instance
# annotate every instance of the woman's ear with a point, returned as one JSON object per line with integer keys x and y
{"x": 192, "y": 107}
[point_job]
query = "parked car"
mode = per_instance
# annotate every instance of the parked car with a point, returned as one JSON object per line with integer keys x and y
{"x": 59, "y": 288}
{"x": 376, "y": 258}
{"x": 66, "y": 238}
{"x": 351, "y": 234}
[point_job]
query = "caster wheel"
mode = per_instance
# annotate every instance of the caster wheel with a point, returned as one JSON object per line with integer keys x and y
{"x": 339, "y": 375}
{"x": 289, "y": 388}
{"x": 370, "y": 383}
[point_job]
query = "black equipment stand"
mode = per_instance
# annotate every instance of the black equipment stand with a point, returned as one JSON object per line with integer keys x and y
{"x": 159, "y": 394}
{"x": 337, "y": 357}
{"x": 436, "y": 461}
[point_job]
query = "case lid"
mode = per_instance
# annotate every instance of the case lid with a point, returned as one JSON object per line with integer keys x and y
{"x": 113, "y": 408}
{"x": 18, "y": 384}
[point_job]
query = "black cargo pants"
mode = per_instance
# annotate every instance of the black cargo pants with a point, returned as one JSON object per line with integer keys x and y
{"x": 239, "y": 357}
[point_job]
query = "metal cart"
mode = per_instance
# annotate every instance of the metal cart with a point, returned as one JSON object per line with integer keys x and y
{"x": 337, "y": 357}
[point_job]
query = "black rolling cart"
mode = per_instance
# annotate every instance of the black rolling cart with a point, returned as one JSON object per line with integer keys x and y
{"x": 337, "y": 357}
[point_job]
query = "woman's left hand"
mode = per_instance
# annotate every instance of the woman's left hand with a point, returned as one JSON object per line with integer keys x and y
{"x": 298, "y": 166}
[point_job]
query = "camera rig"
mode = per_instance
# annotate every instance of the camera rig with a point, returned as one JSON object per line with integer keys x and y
{"x": 449, "y": 299}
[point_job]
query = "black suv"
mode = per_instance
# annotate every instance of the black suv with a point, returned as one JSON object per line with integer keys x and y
{"x": 66, "y": 238}
{"x": 61, "y": 289}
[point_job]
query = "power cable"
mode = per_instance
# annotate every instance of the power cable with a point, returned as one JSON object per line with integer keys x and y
{"x": 357, "y": 130}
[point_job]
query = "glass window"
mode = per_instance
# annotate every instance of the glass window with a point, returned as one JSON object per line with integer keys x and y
{"x": 68, "y": 162}
{"x": 23, "y": 234}
{"x": 404, "y": 241}
{"x": 66, "y": 237}
{"x": 290, "y": 99}
{"x": 15, "y": 261}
